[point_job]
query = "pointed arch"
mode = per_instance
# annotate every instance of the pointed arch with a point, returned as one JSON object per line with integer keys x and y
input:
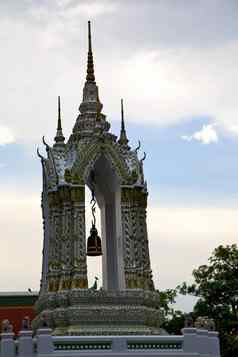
{"x": 84, "y": 163}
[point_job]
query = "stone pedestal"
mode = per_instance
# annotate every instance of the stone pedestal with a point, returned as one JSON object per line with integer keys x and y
{"x": 7, "y": 344}
{"x": 44, "y": 342}
{"x": 214, "y": 343}
{"x": 100, "y": 312}
{"x": 25, "y": 347}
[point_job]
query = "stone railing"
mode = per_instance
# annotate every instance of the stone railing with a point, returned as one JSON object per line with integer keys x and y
{"x": 193, "y": 343}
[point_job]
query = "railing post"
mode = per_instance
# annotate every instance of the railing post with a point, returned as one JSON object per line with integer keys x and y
{"x": 44, "y": 341}
{"x": 25, "y": 345}
{"x": 119, "y": 344}
{"x": 214, "y": 344}
{"x": 189, "y": 339}
{"x": 203, "y": 343}
{"x": 8, "y": 347}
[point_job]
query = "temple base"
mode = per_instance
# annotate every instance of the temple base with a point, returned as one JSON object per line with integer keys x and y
{"x": 99, "y": 312}
{"x": 106, "y": 330}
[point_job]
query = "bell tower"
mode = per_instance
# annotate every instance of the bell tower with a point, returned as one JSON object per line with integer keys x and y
{"x": 93, "y": 156}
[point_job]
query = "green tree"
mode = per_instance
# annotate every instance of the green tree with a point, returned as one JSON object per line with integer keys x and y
{"x": 167, "y": 297}
{"x": 216, "y": 285}
{"x": 173, "y": 319}
{"x": 174, "y": 323}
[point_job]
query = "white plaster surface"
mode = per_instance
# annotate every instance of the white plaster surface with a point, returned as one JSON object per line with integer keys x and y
{"x": 193, "y": 343}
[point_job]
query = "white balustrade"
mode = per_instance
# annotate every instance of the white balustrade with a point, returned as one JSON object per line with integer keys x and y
{"x": 44, "y": 342}
{"x": 8, "y": 347}
{"x": 193, "y": 343}
{"x": 25, "y": 343}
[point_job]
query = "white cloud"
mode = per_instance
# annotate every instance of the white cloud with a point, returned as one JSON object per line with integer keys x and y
{"x": 91, "y": 9}
{"x": 167, "y": 86}
{"x": 206, "y": 135}
{"x": 182, "y": 238}
{"x": 22, "y": 229}
{"x": 6, "y": 136}
{"x": 233, "y": 129}
{"x": 162, "y": 85}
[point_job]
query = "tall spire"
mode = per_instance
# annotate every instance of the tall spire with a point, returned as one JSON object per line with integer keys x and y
{"x": 59, "y": 115}
{"x": 59, "y": 138}
{"x": 122, "y": 117}
{"x": 90, "y": 67}
{"x": 91, "y": 118}
{"x": 123, "y": 138}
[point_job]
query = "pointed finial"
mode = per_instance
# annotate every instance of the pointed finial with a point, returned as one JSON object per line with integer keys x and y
{"x": 59, "y": 138}
{"x": 123, "y": 138}
{"x": 59, "y": 115}
{"x": 90, "y": 67}
{"x": 89, "y": 37}
{"x": 122, "y": 116}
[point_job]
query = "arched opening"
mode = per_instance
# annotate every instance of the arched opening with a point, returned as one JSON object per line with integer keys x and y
{"x": 94, "y": 264}
{"x": 108, "y": 194}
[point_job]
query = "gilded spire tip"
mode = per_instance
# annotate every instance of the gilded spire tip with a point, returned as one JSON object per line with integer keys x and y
{"x": 122, "y": 116}
{"x": 59, "y": 138}
{"x": 59, "y": 115}
{"x": 89, "y": 37}
{"x": 90, "y": 67}
{"x": 123, "y": 137}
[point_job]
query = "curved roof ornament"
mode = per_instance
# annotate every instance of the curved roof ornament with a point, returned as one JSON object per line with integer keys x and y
{"x": 39, "y": 154}
{"x": 45, "y": 143}
{"x": 138, "y": 147}
{"x": 51, "y": 156}
{"x": 144, "y": 157}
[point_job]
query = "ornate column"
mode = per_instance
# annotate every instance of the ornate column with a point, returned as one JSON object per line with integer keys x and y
{"x": 66, "y": 239}
{"x": 55, "y": 229}
{"x": 136, "y": 252}
{"x": 79, "y": 272}
{"x": 67, "y": 266}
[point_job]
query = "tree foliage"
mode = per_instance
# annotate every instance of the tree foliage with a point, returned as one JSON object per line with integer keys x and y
{"x": 167, "y": 297}
{"x": 173, "y": 319}
{"x": 216, "y": 285}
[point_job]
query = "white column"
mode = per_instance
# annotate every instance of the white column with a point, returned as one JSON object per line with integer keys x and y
{"x": 8, "y": 348}
{"x": 119, "y": 241}
{"x": 189, "y": 339}
{"x": 44, "y": 341}
{"x": 112, "y": 268}
{"x": 203, "y": 343}
{"x": 25, "y": 346}
{"x": 214, "y": 344}
{"x": 119, "y": 344}
{"x": 104, "y": 247}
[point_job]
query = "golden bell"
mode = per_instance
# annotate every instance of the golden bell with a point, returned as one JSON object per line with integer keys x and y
{"x": 94, "y": 246}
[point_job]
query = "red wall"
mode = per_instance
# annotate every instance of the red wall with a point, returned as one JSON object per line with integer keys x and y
{"x": 15, "y": 315}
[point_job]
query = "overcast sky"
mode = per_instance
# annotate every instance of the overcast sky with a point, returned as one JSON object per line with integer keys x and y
{"x": 175, "y": 64}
